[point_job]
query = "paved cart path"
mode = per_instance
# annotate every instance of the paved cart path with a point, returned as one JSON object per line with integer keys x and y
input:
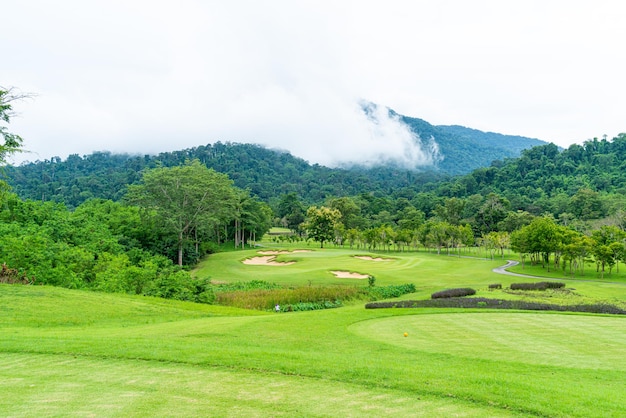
{"x": 511, "y": 263}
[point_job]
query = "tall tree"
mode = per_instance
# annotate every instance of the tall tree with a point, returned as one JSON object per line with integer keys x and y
{"x": 451, "y": 210}
{"x": 349, "y": 209}
{"x": 252, "y": 218}
{"x": 11, "y": 143}
{"x": 494, "y": 210}
{"x": 187, "y": 199}
{"x": 586, "y": 204}
{"x": 321, "y": 222}
{"x": 608, "y": 244}
{"x": 539, "y": 239}
{"x": 291, "y": 211}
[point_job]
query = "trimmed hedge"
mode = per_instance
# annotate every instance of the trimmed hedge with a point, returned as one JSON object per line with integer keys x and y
{"x": 602, "y": 308}
{"x": 453, "y": 293}
{"x": 537, "y": 286}
{"x": 495, "y": 286}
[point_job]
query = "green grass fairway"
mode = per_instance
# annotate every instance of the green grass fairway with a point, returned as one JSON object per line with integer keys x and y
{"x": 77, "y": 353}
{"x": 44, "y": 385}
{"x": 548, "y": 339}
{"x": 314, "y": 267}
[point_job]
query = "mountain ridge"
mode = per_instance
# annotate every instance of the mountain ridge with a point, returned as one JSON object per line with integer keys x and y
{"x": 266, "y": 172}
{"x": 465, "y": 149}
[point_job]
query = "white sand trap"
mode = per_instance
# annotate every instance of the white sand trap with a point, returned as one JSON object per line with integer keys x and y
{"x": 265, "y": 260}
{"x": 349, "y": 275}
{"x": 367, "y": 257}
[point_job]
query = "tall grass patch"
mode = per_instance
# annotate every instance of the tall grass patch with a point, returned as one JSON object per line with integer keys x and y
{"x": 267, "y": 299}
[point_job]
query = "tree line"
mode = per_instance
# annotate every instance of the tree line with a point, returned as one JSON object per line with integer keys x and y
{"x": 455, "y": 225}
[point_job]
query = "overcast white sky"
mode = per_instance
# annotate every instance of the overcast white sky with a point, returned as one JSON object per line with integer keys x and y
{"x": 153, "y": 76}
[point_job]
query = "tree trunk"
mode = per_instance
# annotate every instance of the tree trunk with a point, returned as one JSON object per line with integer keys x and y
{"x": 180, "y": 248}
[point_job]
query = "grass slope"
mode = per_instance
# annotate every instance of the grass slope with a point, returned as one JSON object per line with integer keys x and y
{"x": 73, "y": 353}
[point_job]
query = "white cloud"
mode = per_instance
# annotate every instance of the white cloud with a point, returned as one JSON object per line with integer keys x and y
{"x": 154, "y": 76}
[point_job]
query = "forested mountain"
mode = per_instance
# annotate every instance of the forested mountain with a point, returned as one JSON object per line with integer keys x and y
{"x": 463, "y": 149}
{"x": 545, "y": 179}
{"x": 456, "y": 149}
{"x": 542, "y": 180}
{"x": 266, "y": 173}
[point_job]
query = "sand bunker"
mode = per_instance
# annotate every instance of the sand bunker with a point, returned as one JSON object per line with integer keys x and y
{"x": 268, "y": 258}
{"x": 367, "y": 257}
{"x": 349, "y": 275}
{"x": 265, "y": 260}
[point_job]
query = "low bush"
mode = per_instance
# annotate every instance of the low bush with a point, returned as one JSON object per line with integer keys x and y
{"x": 495, "y": 286}
{"x": 453, "y": 293}
{"x": 180, "y": 286}
{"x": 537, "y": 286}
{"x": 371, "y": 281}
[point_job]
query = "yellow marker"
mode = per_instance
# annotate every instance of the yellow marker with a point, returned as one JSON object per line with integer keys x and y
{"x": 406, "y": 334}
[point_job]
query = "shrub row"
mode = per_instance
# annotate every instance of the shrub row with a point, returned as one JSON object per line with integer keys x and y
{"x": 537, "y": 286}
{"x": 495, "y": 286}
{"x": 602, "y": 308}
{"x": 388, "y": 292}
{"x": 179, "y": 285}
{"x": 310, "y": 306}
{"x": 251, "y": 285}
{"x": 453, "y": 293}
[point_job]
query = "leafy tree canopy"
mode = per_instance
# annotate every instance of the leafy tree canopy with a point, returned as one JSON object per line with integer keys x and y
{"x": 186, "y": 200}
{"x": 11, "y": 143}
{"x": 321, "y": 223}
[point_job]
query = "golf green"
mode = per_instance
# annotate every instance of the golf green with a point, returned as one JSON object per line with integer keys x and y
{"x": 595, "y": 342}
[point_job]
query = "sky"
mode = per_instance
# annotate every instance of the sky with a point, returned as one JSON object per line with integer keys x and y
{"x": 153, "y": 76}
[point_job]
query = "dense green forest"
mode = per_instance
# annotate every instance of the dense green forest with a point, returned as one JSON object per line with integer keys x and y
{"x": 584, "y": 181}
{"x": 267, "y": 174}
{"x": 542, "y": 180}
{"x": 170, "y": 219}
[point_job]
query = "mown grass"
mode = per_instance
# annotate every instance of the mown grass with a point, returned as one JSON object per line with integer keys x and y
{"x": 314, "y": 267}
{"x": 50, "y": 385}
{"x": 108, "y": 355}
{"x": 589, "y": 273}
